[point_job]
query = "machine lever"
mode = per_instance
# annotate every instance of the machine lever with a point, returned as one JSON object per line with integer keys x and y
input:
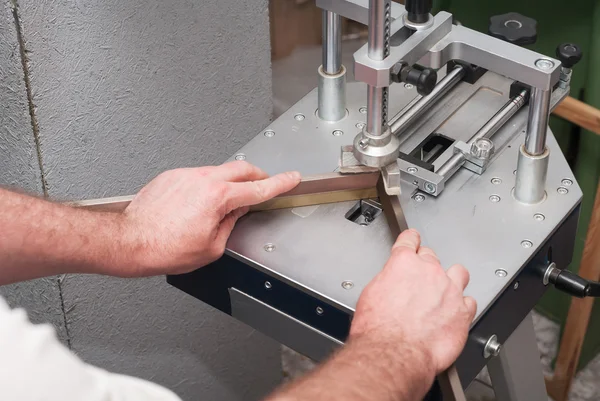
{"x": 570, "y": 283}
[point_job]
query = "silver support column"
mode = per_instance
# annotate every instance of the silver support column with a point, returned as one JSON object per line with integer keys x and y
{"x": 332, "y": 74}
{"x": 516, "y": 372}
{"x": 376, "y": 146}
{"x": 532, "y": 165}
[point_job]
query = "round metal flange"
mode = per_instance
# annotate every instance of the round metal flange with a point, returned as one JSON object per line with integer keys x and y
{"x": 492, "y": 347}
{"x": 415, "y": 26}
{"x": 377, "y": 151}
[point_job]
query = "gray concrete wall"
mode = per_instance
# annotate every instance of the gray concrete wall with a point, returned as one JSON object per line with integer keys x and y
{"x": 122, "y": 91}
{"x": 19, "y": 167}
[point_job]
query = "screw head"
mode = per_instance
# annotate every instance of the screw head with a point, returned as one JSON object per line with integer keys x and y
{"x": 299, "y": 117}
{"x": 337, "y": 132}
{"x": 240, "y": 156}
{"x": 362, "y": 110}
{"x": 562, "y": 190}
{"x": 412, "y": 170}
{"x": 516, "y": 286}
{"x": 419, "y": 198}
{"x": 501, "y": 273}
{"x": 319, "y": 310}
{"x": 526, "y": 243}
{"x": 269, "y": 247}
{"x": 269, "y": 134}
{"x": 363, "y": 143}
{"x": 494, "y": 198}
{"x": 544, "y": 64}
{"x": 496, "y": 181}
{"x": 268, "y": 285}
{"x": 409, "y": 86}
{"x": 515, "y": 172}
{"x": 429, "y": 187}
{"x": 567, "y": 182}
{"x": 347, "y": 285}
{"x": 492, "y": 347}
{"x": 539, "y": 217}
{"x": 360, "y": 125}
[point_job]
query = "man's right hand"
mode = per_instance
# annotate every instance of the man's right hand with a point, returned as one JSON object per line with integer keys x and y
{"x": 417, "y": 307}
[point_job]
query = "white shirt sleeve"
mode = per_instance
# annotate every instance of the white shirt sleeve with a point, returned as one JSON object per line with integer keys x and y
{"x": 35, "y": 366}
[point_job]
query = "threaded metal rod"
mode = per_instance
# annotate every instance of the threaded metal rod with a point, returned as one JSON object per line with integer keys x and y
{"x": 378, "y": 49}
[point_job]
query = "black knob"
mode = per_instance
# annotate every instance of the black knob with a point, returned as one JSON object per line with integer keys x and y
{"x": 418, "y": 10}
{"x": 569, "y": 54}
{"x": 514, "y": 28}
{"x": 423, "y": 78}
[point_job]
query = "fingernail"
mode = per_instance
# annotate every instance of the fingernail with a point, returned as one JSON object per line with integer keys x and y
{"x": 294, "y": 175}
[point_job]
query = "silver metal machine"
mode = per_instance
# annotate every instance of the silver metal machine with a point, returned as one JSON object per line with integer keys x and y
{"x": 457, "y": 122}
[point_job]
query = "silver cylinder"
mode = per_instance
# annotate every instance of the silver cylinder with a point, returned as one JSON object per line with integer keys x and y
{"x": 537, "y": 123}
{"x": 379, "y": 29}
{"x": 501, "y": 117}
{"x": 332, "y": 42}
{"x": 375, "y": 122}
{"x": 530, "y": 186}
{"x": 332, "y": 95}
{"x": 402, "y": 121}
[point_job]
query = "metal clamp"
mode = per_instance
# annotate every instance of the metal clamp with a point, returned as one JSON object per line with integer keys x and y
{"x": 477, "y": 156}
{"x": 424, "y": 180}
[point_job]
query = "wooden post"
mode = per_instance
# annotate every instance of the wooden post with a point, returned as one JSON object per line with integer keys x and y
{"x": 559, "y": 384}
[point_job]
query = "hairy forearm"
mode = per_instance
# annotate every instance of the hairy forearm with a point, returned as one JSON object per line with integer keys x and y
{"x": 40, "y": 238}
{"x": 364, "y": 370}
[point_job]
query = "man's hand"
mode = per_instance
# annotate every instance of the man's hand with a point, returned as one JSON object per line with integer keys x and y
{"x": 183, "y": 218}
{"x": 418, "y": 306}
{"x": 411, "y": 323}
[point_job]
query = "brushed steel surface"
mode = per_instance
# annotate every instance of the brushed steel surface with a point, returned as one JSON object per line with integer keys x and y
{"x": 321, "y": 250}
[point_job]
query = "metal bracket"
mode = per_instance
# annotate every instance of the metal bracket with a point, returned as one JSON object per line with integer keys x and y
{"x": 424, "y": 180}
{"x": 356, "y": 10}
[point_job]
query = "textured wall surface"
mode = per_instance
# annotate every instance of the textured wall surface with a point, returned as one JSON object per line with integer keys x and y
{"x": 122, "y": 91}
{"x": 19, "y": 167}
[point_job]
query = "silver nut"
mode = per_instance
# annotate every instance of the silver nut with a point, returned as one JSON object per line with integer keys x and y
{"x": 482, "y": 148}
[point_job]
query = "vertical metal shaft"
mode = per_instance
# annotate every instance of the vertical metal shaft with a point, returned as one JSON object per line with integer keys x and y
{"x": 537, "y": 123}
{"x": 378, "y": 49}
{"x": 532, "y": 164}
{"x": 332, "y": 74}
{"x": 332, "y": 42}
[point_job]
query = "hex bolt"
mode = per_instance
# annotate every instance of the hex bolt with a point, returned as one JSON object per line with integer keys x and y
{"x": 429, "y": 187}
{"x": 492, "y": 347}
